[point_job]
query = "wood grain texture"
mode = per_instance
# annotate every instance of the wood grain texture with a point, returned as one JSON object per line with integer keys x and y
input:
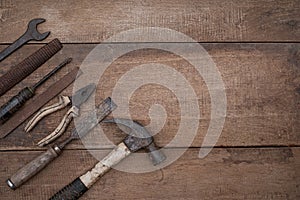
{"x": 33, "y": 167}
{"x": 262, "y": 87}
{"x": 262, "y": 84}
{"x": 231, "y": 173}
{"x": 204, "y": 21}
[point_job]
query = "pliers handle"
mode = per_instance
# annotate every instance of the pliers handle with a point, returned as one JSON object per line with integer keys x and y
{"x": 62, "y": 103}
{"x": 72, "y": 112}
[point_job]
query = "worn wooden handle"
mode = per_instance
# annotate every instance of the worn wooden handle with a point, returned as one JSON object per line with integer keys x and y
{"x": 72, "y": 112}
{"x": 63, "y": 101}
{"x": 80, "y": 185}
{"x": 113, "y": 158}
{"x": 32, "y": 168}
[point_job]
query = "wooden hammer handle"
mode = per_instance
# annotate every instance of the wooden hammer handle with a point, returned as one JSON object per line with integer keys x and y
{"x": 33, "y": 167}
{"x": 81, "y": 184}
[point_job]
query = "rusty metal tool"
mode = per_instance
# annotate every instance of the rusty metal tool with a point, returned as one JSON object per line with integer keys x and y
{"x": 38, "y": 102}
{"x": 83, "y": 128}
{"x": 28, "y": 65}
{"x": 76, "y": 100}
{"x": 17, "y": 101}
{"x": 31, "y": 34}
{"x": 139, "y": 138}
{"x": 138, "y": 130}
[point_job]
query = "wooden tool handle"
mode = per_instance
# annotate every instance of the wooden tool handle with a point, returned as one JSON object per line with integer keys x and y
{"x": 38, "y": 102}
{"x": 113, "y": 158}
{"x": 80, "y": 185}
{"x": 72, "y": 112}
{"x": 32, "y": 168}
{"x": 63, "y": 101}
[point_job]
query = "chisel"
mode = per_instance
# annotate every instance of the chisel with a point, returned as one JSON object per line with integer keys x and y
{"x": 82, "y": 128}
{"x": 16, "y": 102}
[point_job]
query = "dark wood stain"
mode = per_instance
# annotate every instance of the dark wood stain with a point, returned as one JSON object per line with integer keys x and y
{"x": 262, "y": 156}
{"x": 294, "y": 56}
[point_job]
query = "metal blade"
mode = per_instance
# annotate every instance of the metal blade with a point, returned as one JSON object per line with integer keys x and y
{"x": 83, "y": 94}
{"x": 87, "y": 124}
{"x": 136, "y": 129}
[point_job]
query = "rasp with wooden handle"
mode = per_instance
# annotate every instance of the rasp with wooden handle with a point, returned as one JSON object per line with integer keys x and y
{"x": 16, "y": 102}
{"x": 38, "y": 102}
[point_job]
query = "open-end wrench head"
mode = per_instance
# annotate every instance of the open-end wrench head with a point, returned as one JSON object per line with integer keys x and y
{"x": 33, "y": 32}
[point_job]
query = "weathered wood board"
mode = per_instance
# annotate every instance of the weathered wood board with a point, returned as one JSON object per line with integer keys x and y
{"x": 261, "y": 83}
{"x": 204, "y": 21}
{"x": 255, "y": 47}
{"x": 226, "y": 173}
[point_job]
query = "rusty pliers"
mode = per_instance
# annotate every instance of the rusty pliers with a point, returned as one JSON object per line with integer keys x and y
{"x": 76, "y": 100}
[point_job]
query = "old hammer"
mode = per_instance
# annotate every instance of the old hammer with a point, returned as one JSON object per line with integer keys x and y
{"x": 138, "y": 138}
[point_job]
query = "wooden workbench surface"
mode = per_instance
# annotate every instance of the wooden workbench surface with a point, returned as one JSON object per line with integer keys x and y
{"x": 255, "y": 46}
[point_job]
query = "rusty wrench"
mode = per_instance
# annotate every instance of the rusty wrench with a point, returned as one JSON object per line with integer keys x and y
{"x": 30, "y": 34}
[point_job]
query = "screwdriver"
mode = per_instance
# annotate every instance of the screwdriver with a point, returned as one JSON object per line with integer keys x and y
{"x": 16, "y": 102}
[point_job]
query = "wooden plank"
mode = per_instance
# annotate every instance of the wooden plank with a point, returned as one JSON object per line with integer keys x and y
{"x": 204, "y": 21}
{"x": 232, "y": 173}
{"x": 262, "y": 87}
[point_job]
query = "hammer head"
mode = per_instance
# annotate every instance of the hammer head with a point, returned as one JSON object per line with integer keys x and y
{"x": 138, "y": 138}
